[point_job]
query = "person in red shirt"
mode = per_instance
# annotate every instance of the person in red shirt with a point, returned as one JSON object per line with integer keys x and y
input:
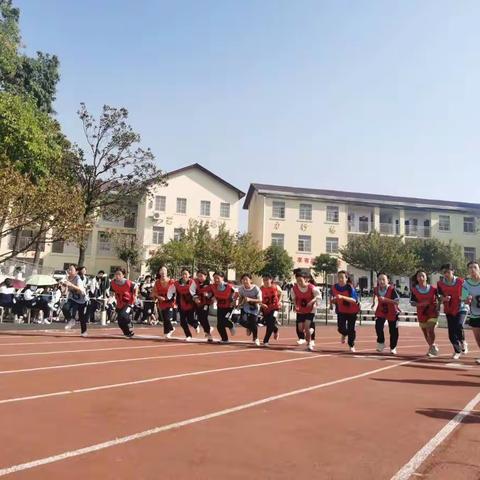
{"x": 424, "y": 298}
{"x": 224, "y": 294}
{"x": 185, "y": 291}
{"x": 163, "y": 294}
{"x": 271, "y": 297}
{"x": 387, "y": 310}
{"x": 203, "y": 300}
{"x": 125, "y": 294}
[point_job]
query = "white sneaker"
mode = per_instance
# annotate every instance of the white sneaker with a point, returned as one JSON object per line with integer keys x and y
{"x": 233, "y": 330}
{"x": 352, "y": 349}
{"x": 257, "y": 342}
{"x": 311, "y": 346}
{"x": 301, "y": 341}
{"x": 276, "y": 335}
{"x": 189, "y": 339}
{"x": 70, "y": 325}
{"x": 84, "y": 334}
{"x": 436, "y": 350}
{"x": 456, "y": 356}
{"x": 432, "y": 352}
{"x": 197, "y": 328}
{"x": 169, "y": 334}
{"x": 464, "y": 347}
{"x": 342, "y": 339}
{"x": 478, "y": 361}
{"x": 266, "y": 344}
{"x": 393, "y": 351}
{"x": 380, "y": 347}
{"x": 311, "y": 330}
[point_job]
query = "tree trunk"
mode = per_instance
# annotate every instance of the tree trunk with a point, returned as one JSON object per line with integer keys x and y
{"x": 81, "y": 255}
{"x": 16, "y": 242}
{"x": 36, "y": 258}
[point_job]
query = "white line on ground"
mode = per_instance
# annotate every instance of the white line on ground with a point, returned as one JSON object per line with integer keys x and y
{"x": 173, "y": 426}
{"x": 410, "y": 468}
{"x": 83, "y": 340}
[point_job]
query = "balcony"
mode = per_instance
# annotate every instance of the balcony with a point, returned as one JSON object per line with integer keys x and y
{"x": 417, "y": 231}
{"x": 359, "y": 227}
{"x": 390, "y": 229}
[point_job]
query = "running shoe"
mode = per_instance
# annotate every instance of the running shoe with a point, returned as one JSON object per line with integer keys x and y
{"x": 393, "y": 351}
{"x": 84, "y": 334}
{"x": 70, "y": 325}
{"x": 311, "y": 346}
{"x": 130, "y": 335}
{"x": 380, "y": 347}
{"x": 436, "y": 350}
{"x": 301, "y": 341}
{"x": 170, "y": 333}
{"x": 189, "y": 339}
{"x": 352, "y": 349}
{"x": 265, "y": 344}
{"x": 478, "y": 361}
{"x": 456, "y": 355}
{"x": 312, "y": 331}
{"x": 464, "y": 347}
{"x": 257, "y": 342}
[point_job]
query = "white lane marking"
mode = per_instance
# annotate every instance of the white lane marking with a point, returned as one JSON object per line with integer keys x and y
{"x": 89, "y": 340}
{"x": 172, "y": 426}
{"x": 156, "y": 379}
{"x": 409, "y": 468}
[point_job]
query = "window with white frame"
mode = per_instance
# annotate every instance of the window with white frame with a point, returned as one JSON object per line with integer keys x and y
{"x": 278, "y": 239}
{"x": 225, "y": 210}
{"x": 160, "y": 203}
{"x": 332, "y": 213}
{"x": 158, "y": 235}
{"x": 278, "y": 209}
{"x": 178, "y": 233}
{"x": 470, "y": 254}
{"x": 444, "y": 223}
{"x": 305, "y": 211}
{"x": 205, "y": 208}
{"x": 469, "y": 224}
{"x": 181, "y": 205}
{"x": 332, "y": 245}
{"x": 304, "y": 243}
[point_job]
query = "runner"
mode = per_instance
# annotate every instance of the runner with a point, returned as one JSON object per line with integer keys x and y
{"x": 186, "y": 290}
{"x": 76, "y": 300}
{"x": 450, "y": 291}
{"x": 250, "y": 301}
{"x": 387, "y": 310}
{"x": 304, "y": 296}
{"x": 163, "y": 294}
{"x": 271, "y": 295}
{"x": 345, "y": 299}
{"x": 125, "y": 295}
{"x": 203, "y": 300}
{"x": 471, "y": 295}
{"x": 424, "y": 297}
{"x": 224, "y": 294}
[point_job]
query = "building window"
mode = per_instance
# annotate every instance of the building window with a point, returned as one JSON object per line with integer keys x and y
{"x": 470, "y": 254}
{"x": 158, "y": 235}
{"x": 278, "y": 209}
{"x": 305, "y": 211}
{"x": 304, "y": 243}
{"x": 469, "y": 224}
{"x": 332, "y": 213}
{"x": 332, "y": 245}
{"x": 181, "y": 205}
{"x": 104, "y": 245}
{"x": 160, "y": 203}
{"x": 444, "y": 223}
{"x": 58, "y": 246}
{"x": 278, "y": 239}
{"x": 178, "y": 233}
{"x": 225, "y": 210}
{"x": 130, "y": 221}
{"x": 205, "y": 208}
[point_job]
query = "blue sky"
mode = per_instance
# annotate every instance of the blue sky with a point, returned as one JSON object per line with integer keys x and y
{"x": 371, "y": 96}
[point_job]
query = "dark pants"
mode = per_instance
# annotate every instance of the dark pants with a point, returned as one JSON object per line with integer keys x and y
{"x": 271, "y": 322}
{"x": 166, "y": 316}
{"x": 124, "y": 320}
{"x": 202, "y": 317}
{"x": 249, "y": 321}
{"x": 301, "y": 333}
{"x": 91, "y": 309}
{"x": 70, "y": 310}
{"x": 346, "y": 326}
{"x": 456, "y": 334}
{"x": 224, "y": 322}
{"x": 148, "y": 309}
{"x": 392, "y": 328}
{"x": 187, "y": 318}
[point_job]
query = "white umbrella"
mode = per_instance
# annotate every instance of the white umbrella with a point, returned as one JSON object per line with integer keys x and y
{"x": 41, "y": 280}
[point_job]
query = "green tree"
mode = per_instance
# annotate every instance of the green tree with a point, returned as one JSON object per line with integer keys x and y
{"x": 324, "y": 265}
{"x": 376, "y": 253}
{"x": 127, "y": 249}
{"x": 278, "y": 263}
{"x": 248, "y": 257}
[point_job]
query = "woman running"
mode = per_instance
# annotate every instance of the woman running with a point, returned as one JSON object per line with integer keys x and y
{"x": 203, "y": 300}
{"x": 424, "y": 297}
{"x": 224, "y": 294}
{"x": 387, "y": 310}
{"x": 450, "y": 290}
{"x": 304, "y": 296}
{"x": 345, "y": 299}
{"x": 471, "y": 295}
{"x": 125, "y": 295}
{"x": 163, "y": 294}
{"x": 271, "y": 295}
{"x": 250, "y": 299}
{"x": 186, "y": 290}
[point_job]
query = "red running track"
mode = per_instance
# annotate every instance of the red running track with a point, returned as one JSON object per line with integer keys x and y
{"x": 112, "y": 408}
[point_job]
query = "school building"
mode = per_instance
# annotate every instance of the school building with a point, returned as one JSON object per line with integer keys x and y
{"x": 308, "y": 222}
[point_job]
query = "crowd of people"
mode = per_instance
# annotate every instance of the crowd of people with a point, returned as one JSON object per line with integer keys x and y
{"x": 189, "y": 299}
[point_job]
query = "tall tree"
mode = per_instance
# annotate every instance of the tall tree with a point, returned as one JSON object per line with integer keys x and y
{"x": 248, "y": 257}
{"x": 278, "y": 263}
{"x": 127, "y": 249}
{"x": 115, "y": 172}
{"x": 324, "y": 265}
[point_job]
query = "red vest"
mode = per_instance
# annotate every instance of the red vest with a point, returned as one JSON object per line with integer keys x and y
{"x": 270, "y": 298}
{"x": 425, "y": 312}
{"x": 344, "y": 306}
{"x": 387, "y": 310}
{"x": 452, "y": 307}
{"x": 124, "y": 294}
{"x": 224, "y": 299}
{"x": 204, "y": 293}
{"x": 185, "y": 299}
{"x": 303, "y": 298}
{"x": 161, "y": 291}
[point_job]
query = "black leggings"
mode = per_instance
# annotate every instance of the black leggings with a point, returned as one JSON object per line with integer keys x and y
{"x": 224, "y": 322}
{"x": 124, "y": 320}
{"x": 187, "y": 318}
{"x": 249, "y": 321}
{"x": 70, "y": 310}
{"x": 202, "y": 317}
{"x": 166, "y": 316}
{"x": 456, "y": 334}
{"x": 392, "y": 328}
{"x": 271, "y": 323}
{"x": 346, "y": 326}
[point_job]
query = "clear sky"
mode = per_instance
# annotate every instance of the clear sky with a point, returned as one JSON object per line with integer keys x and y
{"x": 370, "y": 96}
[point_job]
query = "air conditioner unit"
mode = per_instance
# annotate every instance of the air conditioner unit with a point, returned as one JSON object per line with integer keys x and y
{"x": 156, "y": 216}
